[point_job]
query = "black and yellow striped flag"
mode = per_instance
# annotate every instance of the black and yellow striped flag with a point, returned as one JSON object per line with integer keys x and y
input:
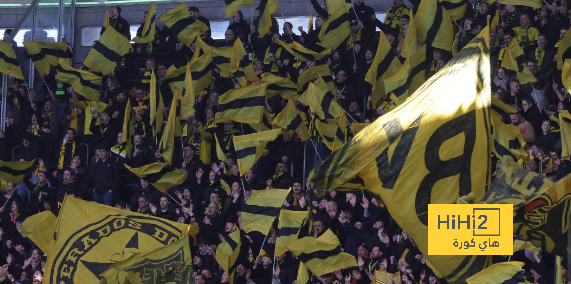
{"x": 411, "y": 44}
{"x": 233, "y": 6}
{"x": 221, "y": 57}
{"x": 188, "y": 98}
{"x": 9, "y": 64}
{"x": 313, "y": 73}
{"x": 514, "y": 59}
{"x": 566, "y": 74}
{"x": 565, "y": 124}
{"x": 262, "y": 208}
{"x": 322, "y": 255}
{"x": 128, "y": 129}
{"x": 249, "y": 148}
{"x": 241, "y": 65}
{"x": 267, "y": 9}
{"x": 148, "y": 32}
{"x": 302, "y": 53}
{"x": 278, "y": 85}
{"x": 219, "y": 152}
{"x": 201, "y": 72}
{"x": 83, "y": 82}
{"x": 335, "y": 30}
{"x": 385, "y": 62}
{"x": 176, "y": 77}
{"x": 290, "y": 119}
{"x": 156, "y": 104}
{"x": 161, "y": 175}
{"x": 321, "y": 100}
{"x": 357, "y": 127}
{"x": 408, "y": 77}
{"x": 166, "y": 144}
{"x": 227, "y": 253}
{"x": 266, "y": 123}
{"x": 456, "y": 8}
{"x": 564, "y": 50}
{"x": 244, "y": 105}
{"x": 46, "y": 54}
{"x": 181, "y": 25}
{"x": 333, "y": 131}
{"x": 507, "y": 137}
{"x": 303, "y": 275}
{"x": 107, "y": 52}
{"x": 289, "y": 224}
{"x": 14, "y": 172}
{"x": 434, "y": 25}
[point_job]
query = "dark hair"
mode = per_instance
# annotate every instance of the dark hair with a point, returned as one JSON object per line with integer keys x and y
{"x": 194, "y": 9}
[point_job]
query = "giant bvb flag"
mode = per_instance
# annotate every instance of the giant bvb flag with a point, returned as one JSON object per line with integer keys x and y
{"x": 90, "y": 237}
{"x": 433, "y": 148}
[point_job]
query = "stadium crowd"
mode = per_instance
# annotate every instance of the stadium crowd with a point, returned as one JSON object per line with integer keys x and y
{"x": 82, "y": 152}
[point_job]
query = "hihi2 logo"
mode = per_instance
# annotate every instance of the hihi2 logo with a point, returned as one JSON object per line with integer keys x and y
{"x": 470, "y": 229}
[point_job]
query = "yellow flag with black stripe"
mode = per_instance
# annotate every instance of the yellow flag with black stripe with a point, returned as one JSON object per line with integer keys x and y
{"x": 335, "y": 30}
{"x": 227, "y": 253}
{"x": 321, "y": 100}
{"x": 188, "y": 99}
{"x": 278, "y": 85}
{"x": 171, "y": 263}
{"x": 46, "y": 54}
{"x": 564, "y": 51}
{"x": 176, "y": 77}
{"x": 244, "y": 105}
{"x": 408, "y": 77}
{"x": 267, "y": 9}
{"x": 529, "y": 3}
{"x": 385, "y": 63}
{"x": 434, "y": 26}
{"x": 148, "y": 32}
{"x": 290, "y": 119}
{"x": 241, "y": 65}
{"x": 514, "y": 59}
{"x": 89, "y": 237}
{"x": 302, "y": 53}
{"x": 107, "y": 52}
{"x": 166, "y": 144}
{"x": 566, "y": 74}
{"x": 156, "y": 104}
{"x": 181, "y": 25}
{"x": 266, "y": 123}
{"x": 565, "y": 124}
{"x": 322, "y": 255}
{"x": 333, "y": 131}
{"x": 303, "y": 275}
{"x": 161, "y": 175}
{"x": 262, "y": 208}
{"x": 201, "y": 72}
{"x": 410, "y": 44}
{"x": 9, "y": 64}
{"x": 221, "y": 57}
{"x": 434, "y": 138}
{"x": 128, "y": 129}
{"x": 357, "y": 127}
{"x": 249, "y": 148}
{"x": 507, "y": 137}
{"x": 85, "y": 83}
{"x": 219, "y": 153}
{"x": 336, "y": 5}
{"x": 313, "y": 73}
{"x": 289, "y": 224}
{"x": 503, "y": 272}
{"x": 14, "y": 172}
{"x": 233, "y": 6}
{"x": 456, "y": 8}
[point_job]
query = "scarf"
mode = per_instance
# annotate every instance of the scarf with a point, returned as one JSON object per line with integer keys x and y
{"x": 13, "y": 217}
{"x": 62, "y": 153}
{"x": 539, "y": 54}
{"x": 68, "y": 182}
{"x": 39, "y": 187}
{"x": 276, "y": 176}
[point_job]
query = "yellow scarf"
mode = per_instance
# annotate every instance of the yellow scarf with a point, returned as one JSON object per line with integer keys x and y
{"x": 62, "y": 154}
{"x": 276, "y": 176}
{"x": 276, "y": 56}
{"x": 68, "y": 182}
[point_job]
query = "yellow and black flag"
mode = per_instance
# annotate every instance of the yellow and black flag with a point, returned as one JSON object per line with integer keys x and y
{"x": 233, "y": 6}
{"x": 411, "y": 44}
{"x": 85, "y": 83}
{"x": 267, "y": 9}
{"x": 241, "y": 65}
{"x": 9, "y": 64}
{"x": 201, "y": 72}
{"x": 266, "y": 124}
{"x": 289, "y": 224}
{"x": 227, "y": 253}
{"x": 566, "y": 74}
{"x": 249, "y": 148}
{"x": 188, "y": 98}
{"x": 290, "y": 119}
{"x": 434, "y": 25}
{"x": 278, "y": 85}
{"x": 408, "y": 77}
{"x": 357, "y": 127}
{"x": 385, "y": 62}
{"x": 176, "y": 77}
{"x": 336, "y": 5}
{"x": 456, "y": 8}
{"x": 171, "y": 264}
{"x": 514, "y": 59}
{"x": 313, "y": 73}
{"x": 181, "y": 25}
{"x": 503, "y": 272}
{"x": 333, "y": 131}
{"x": 107, "y": 52}
{"x": 14, "y": 172}
{"x": 507, "y": 137}
{"x": 565, "y": 124}
{"x": 261, "y": 209}
{"x": 564, "y": 51}
{"x": 321, "y": 100}
{"x": 302, "y": 53}
{"x": 148, "y": 32}
{"x": 244, "y": 105}
{"x": 46, "y": 54}
{"x": 166, "y": 144}
{"x": 128, "y": 131}
{"x": 104, "y": 235}
{"x": 421, "y": 144}
{"x": 322, "y": 255}
{"x": 335, "y": 30}
{"x": 40, "y": 229}
{"x": 156, "y": 105}
{"x": 161, "y": 175}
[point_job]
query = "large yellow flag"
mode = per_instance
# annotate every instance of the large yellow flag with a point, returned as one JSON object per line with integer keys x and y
{"x": 313, "y": 73}
{"x": 161, "y": 175}
{"x": 514, "y": 59}
{"x": 278, "y": 85}
{"x": 385, "y": 63}
{"x": 564, "y": 50}
{"x": 261, "y": 209}
{"x": 289, "y": 224}
{"x": 302, "y": 53}
{"x": 333, "y": 131}
{"x": 128, "y": 129}
{"x": 507, "y": 137}
{"x": 166, "y": 145}
{"x": 566, "y": 74}
{"x": 107, "y": 52}
{"x": 291, "y": 119}
{"x": 241, "y": 65}
{"x": 321, "y": 100}
{"x": 336, "y": 5}
{"x": 434, "y": 25}
{"x": 188, "y": 98}
{"x": 249, "y": 148}
{"x": 408, "y": 77}
{"x": 456, "y": 8}
{"x": 85, "y": 83}
{"x": 433, "y": 148}
{"x": 227, "y": 253}
{"x": 200, "y": 68}
{"x": 180, "y": 23}
{"x": 233, "y": 6}
{"x": 244, "y": 105}
{"x": 171, "y": 264}
{"x": 322, "y": 255}
{"x": 148, "y": 32}
{"x": 89, "y": 237}
{"x": 565, "y": 124}
{"x": 9, "y": 64}
{"x": 14, "y": 172}
{"x": 499, "y": 273}
{"x": 46, "y": 54}
{"x": 267, "y": 8}
{"x": 335, "y": 30}
{"x": 40, "y": 229}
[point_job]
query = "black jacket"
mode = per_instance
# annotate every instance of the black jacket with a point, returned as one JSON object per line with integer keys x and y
{"x": 103, "y": 176}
